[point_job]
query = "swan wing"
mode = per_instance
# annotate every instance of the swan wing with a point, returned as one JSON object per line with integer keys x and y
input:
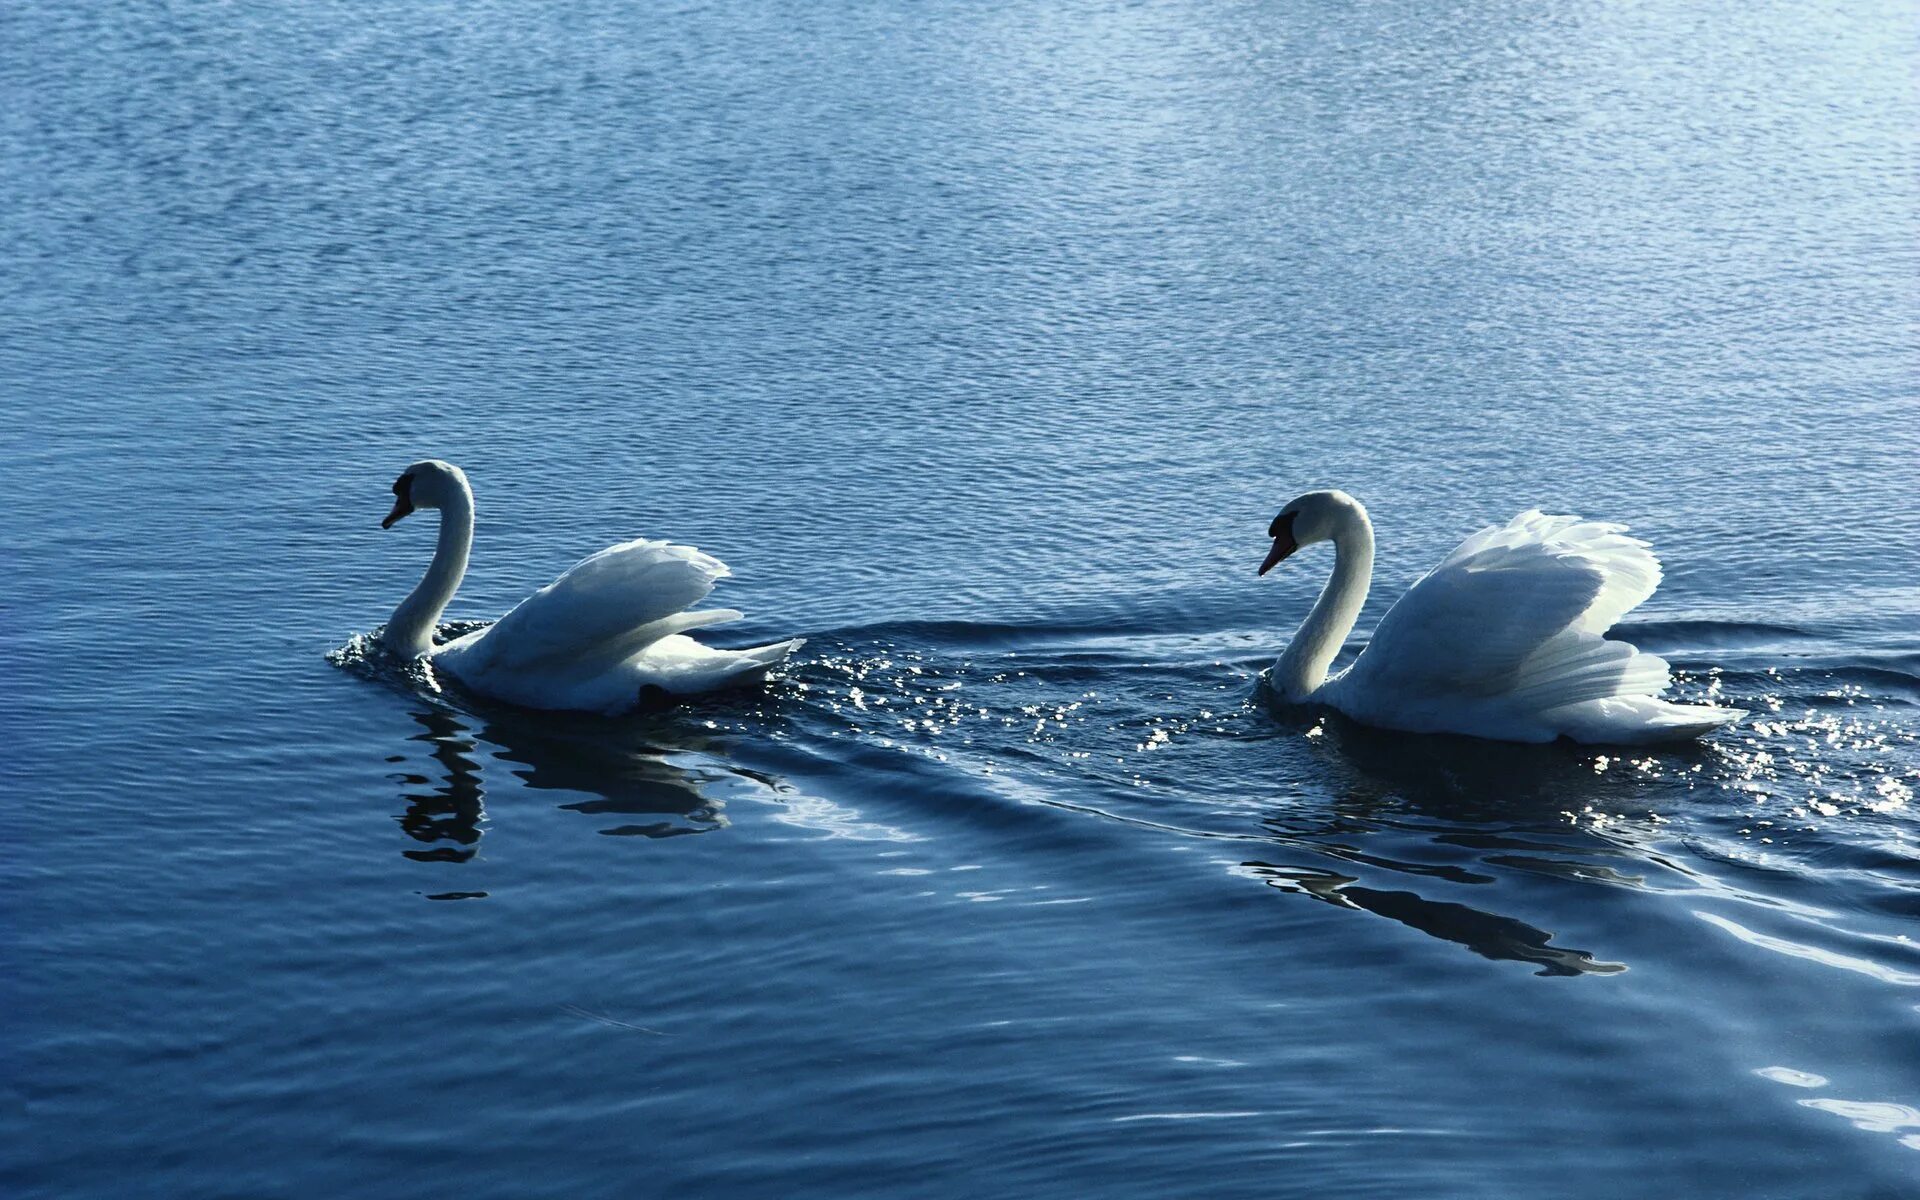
{"x": 605, "y": 608}
{"x": 1514, "y": 611}
{"x": 1629, "y": 571}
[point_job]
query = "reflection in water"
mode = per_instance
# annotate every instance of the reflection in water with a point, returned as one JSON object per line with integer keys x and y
{"x": 452, "y": 811}
{"x": 1451, "y": 794}
{"x": 1486, "y": 934}
{"x": 622, "y": 767}
{"x": 1469, "y": 779}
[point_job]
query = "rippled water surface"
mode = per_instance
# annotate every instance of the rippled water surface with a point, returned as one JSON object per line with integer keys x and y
{"x": 983, "y": 341}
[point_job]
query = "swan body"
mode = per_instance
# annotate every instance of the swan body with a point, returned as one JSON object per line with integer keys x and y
{"x": 609, "y": 628}
{"x": 1502, "y": 640}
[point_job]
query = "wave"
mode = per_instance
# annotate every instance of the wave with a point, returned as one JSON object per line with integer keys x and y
{"x": 1700, "y": 633}
{"x": 1155, "y": 622}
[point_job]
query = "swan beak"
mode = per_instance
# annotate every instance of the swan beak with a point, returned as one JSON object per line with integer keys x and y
{"x": 401, "y": 507}
{"x": 1282, "y": 546}
{"x": 1281, "y": 531}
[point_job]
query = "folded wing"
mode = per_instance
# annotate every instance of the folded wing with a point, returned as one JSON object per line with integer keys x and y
{"x": 605, "y": 608}
{"x": 1516, "y": 613}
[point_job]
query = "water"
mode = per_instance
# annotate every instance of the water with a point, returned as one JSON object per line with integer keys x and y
{"x": 983, "y": 341}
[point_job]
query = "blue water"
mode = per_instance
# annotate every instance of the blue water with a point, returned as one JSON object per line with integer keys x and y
{"x": 983, "y": 341}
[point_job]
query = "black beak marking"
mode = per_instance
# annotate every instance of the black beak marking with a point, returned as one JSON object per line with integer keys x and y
{"x": 1281, "y": 531}
{"x": 402, "y": 500}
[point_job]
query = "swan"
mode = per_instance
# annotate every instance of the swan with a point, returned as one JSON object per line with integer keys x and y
{"x": 1502, "y": 640}
{"x": 610, "y": 627}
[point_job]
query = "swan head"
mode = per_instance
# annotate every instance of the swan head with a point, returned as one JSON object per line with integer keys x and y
{"x": 1314, "y": 517}
{"x": 429, "y": 483}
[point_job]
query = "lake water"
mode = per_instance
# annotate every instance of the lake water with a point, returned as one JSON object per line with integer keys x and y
{"x": 983, "y": 340}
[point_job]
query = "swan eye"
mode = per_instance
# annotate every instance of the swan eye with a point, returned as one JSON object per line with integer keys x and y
{"x": 403, "y": 485}
{"x": 1281, "y": 524}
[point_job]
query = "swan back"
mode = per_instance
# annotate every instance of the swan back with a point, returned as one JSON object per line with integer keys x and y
{"x": 600, "y": 610}
{"x": 1469, "y": 626}
{"x": 1502, "y": 639}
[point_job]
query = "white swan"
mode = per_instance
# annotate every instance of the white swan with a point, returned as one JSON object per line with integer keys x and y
{"x": 593, "y": 639}
{"x": 1501, "y": 640}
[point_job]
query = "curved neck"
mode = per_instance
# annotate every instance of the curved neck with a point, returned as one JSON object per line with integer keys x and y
{"x": 1302, "y": 668}
{"x": 410, "y": 631}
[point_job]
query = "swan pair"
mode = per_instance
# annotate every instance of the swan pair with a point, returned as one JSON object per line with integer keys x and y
{"x": 1501, "y": 640}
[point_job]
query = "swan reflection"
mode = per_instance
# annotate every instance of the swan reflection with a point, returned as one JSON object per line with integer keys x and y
{"x": 453, "y": 809}
{"x": 1500, "y": 808}
{"x": 1489, "y": 935}
{"x": 639, "y": 779}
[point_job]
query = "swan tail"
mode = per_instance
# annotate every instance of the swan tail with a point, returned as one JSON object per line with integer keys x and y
{"x": 1639, "y": 720}
{"x": 681, "y": 666}
{"x": 760, "y": 659}
{"x": 753, "y": 663}
{"x": 1593, "y": 690}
